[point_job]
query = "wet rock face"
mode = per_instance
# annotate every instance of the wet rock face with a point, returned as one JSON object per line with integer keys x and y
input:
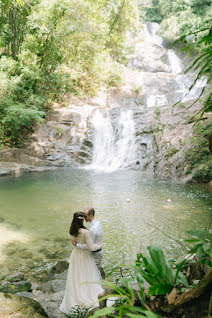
{"x": 64, "y": 140}
{"x": 150, "y": 58}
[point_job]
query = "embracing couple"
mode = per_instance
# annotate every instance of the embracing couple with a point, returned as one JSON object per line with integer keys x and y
{"x": 83, "y": 280}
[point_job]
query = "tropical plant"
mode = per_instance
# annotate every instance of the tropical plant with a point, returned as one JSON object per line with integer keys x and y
{"x": 164, "y": 278}
{"x": 124, "y": 298}
{"x": 202, "y": 64}
{"x": 202, "y": 245}
{"x": 159, "y": 273}
{"x": 131, "y": 311}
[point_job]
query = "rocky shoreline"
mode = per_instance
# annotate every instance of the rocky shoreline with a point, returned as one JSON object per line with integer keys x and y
{"x": 23, "y": 299}
{"x": 33, "y": 300}
{"x": 15, "y": 169}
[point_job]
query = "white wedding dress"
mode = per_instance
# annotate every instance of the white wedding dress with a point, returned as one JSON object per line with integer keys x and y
{"x": 83, "y": 280}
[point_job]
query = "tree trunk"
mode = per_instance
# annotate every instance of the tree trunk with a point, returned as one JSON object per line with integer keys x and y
{"x": 191, "y": 294}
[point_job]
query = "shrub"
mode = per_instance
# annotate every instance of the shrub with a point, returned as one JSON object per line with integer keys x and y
{"x": 202, "y": 245}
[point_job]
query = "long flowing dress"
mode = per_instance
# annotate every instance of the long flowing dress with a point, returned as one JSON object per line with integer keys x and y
{"x": 83, "y": 280}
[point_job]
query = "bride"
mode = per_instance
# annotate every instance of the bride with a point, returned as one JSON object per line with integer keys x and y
{"x": 83, "y": 280}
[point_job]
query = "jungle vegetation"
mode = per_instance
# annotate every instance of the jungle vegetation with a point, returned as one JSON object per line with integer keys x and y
{"x": 51, "y": 49}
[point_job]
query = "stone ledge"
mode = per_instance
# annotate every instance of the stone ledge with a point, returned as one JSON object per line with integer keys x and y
{"x": 17, "y": 169}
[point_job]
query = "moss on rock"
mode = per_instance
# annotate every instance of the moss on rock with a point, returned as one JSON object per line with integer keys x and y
{"x": 199, "y": 155}
{"x": 12, "y": 306}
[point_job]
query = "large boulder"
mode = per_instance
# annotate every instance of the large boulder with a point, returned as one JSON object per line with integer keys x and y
{"x": 53, "y": 286}
{"x": 19, "y": 307}
{"x": 60, "y": 267}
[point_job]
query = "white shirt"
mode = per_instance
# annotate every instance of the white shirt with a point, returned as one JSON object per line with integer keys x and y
{"x": 95, "y": 231}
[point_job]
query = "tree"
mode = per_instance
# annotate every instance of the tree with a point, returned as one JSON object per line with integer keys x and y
{"x": 50, "y": 49}
{"x": 13, "y": 17}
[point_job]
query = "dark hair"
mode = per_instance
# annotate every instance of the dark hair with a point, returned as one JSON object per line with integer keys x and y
{"x": 77, "y": 223}
{"x": 90, "y": 211}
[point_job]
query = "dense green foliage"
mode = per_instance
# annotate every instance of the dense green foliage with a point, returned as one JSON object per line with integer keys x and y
{"x": 50, "y": 49}
{"x": 202, "y": 245}
{"x": 158, "y": 272}
{"x": 177, "y": 17}
{"x": 198, "y": 155}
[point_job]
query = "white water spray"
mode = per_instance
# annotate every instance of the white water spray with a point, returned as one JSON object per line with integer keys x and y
{"x": 175, "y": 62}
{"x": 114, "y": 147}
{"x": 152, "y": 34}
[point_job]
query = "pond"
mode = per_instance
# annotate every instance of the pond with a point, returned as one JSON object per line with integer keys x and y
{"x": 36, "y": 211}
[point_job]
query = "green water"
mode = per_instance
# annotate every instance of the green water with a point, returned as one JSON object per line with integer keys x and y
{"x": 36, "y": 211}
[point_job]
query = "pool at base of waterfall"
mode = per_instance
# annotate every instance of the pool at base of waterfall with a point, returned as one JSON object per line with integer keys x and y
{"x": 135, "y": 210}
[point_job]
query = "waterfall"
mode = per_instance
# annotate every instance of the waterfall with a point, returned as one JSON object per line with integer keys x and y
{"x": 151, "y": 33}
{"x": 175, "y": 62}
{"x": 114, "y": 145}
{"x": 184, "y": 82}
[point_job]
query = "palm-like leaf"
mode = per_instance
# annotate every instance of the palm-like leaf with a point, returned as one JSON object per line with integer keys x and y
{"x": 203, "y": 64}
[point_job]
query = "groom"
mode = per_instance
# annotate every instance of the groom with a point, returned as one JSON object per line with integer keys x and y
{"x": 95, "y": 231}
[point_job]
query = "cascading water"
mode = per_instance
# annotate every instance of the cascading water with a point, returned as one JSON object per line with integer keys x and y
{"x": 114, "y": 145}
{"x": 175, "y": 62}
{"x": 176, "y": 68}
{"x": 151, "y": 32}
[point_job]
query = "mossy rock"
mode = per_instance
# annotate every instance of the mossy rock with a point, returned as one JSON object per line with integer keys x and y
{"x": 171, "y": 151}
{"x": 204, "y": 172}
{"x": 14, "y": 287}
{"x": 13, "y": 306}
{"x": 58, "y": 268}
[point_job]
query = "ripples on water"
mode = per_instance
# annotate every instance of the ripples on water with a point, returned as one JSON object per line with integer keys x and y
{"x": 36, "y": 211}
